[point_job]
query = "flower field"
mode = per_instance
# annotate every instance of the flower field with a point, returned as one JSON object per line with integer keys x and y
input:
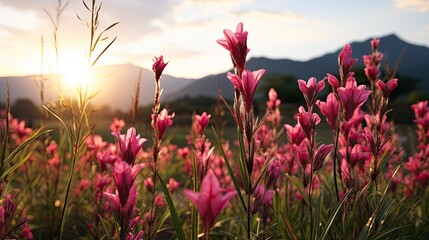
{"x": 63, "y": 180}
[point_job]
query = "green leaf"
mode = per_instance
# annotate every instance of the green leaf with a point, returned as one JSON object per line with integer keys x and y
{"x": 381, "y": 205}
{"x": 174, "y": 216}
{"x": 29, "y": 140}
{"x": 104, "y": 227}
{"x": 334, "y": 214}
{"x": 242, "y": 162}
{"x": 262, "y": 174}
{"x": 231, "y": 173}
{"x": 317, "y": 216}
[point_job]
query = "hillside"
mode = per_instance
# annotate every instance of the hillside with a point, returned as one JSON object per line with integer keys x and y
{"x": 413, "y": 64}
{"x": 116, "y": 86}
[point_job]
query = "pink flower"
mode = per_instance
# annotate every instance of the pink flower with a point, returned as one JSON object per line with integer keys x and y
{"x": 387, "y": 88}
{"x": 345, "y": 60}
{"x": 52, "y": 148}
{"x": 95, "y": 142}
{"x": 18, "y": 131}
{"x": 172, "y": 184}
{"x": 273, "y": 102}
{"x": 159, "y": 201}
{"x": 311, "y": 89}
{"x": 420, "y": 109}
{"x": 236, "y": 44}
{"x": 124, "y": 177}
{"x": 374, "y": 44}
{"x": 329, "y": 109}
{"x": 295, "y": 134}
{"x": 130, "y": 144}
{"x": 307, "y": 121}
{"x": 202, "y": 121}
{"x": 124, "y": 212}
{"x": 372, "y": 72}
{"x": 246, "y": 84}
{"x": 352, "y": 97}
{"x": 148, "y": 182}
{"x": 209, "y": 201}
{"x": 262, "y": 196}
{"x": 320, "y": 155}
{"x": 333, "y": 81}
{"x": 117, "y": 125}
{"x": 158, "y": 66}
{"x": 163, "y": 121}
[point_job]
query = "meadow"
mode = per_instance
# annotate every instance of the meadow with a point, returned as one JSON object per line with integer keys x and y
{"x": 335, "y": 168}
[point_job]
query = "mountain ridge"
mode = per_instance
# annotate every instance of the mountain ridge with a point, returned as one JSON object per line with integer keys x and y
{"x": 413, "y": 64}
{"x": 119, "y": 81}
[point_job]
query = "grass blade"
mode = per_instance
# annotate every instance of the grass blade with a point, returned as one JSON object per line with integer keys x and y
{"x": 174, "y": 216}
{"x": 231, "y": 173}
{"x": 104, "y": 227}
{"x": 331, "y": 219}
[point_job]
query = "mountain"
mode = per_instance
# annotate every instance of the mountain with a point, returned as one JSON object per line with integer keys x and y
{"x": 117, "y": 82}
{"x": 413, "y": 63}
{"x": 116, "y": 86}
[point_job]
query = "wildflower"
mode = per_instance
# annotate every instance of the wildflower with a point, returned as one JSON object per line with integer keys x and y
{"x": 329, "y": 109}
{"x": 420, "y": 109}
{"x": 163, "y": 121}
{"x": 345, "y": 61}
{"x": 117, "y": 125}
{"x": 124, "y": 177}
{"x": 123, "y": 211}
{"x": 236, "y": 44}
{"x": 307, "y": 121}
{"x": 372, "y": 62}
{"x": 387, "y": 88}
{"x": 209, "y": 201}
{"x": 262, "y": 196}
{"x": 158, "y": 66}
{"x": 148, "y": 182}
{"x": 18, "y": 131}
{"x": 310, "y": 90}
{"x": 130, "y": 145}
{"x": 352, "y": 97}
{"x": 95, "y": 142}
{"x": 333, "y": 81}
{"x": 320, "y": 155}
{"x": 374, "y": 44}
{"x": 295, "y": 134}
{"x": 172, "y": 184}
{"x": 273, "y": 102}
{"x": 201, "y": 123}
{"x": 273, "y": 172}
{"x": 246, "y": 84}
{"x": 159, "y": 201}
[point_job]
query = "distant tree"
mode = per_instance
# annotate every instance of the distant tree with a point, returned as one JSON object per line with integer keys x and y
{"x": 25, "y": 109}
{"x": 286, "y": 87}
{"x": 105, "y": 111}
{"x": 406, "y": 84}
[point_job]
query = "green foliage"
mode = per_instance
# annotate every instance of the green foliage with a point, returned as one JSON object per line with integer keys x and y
{"x": 286, "y": 87}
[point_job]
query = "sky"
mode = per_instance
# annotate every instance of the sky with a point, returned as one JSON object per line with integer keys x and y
{"x": 185, "y": 31}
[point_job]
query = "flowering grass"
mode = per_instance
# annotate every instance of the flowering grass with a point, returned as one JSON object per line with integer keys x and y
{"x": 267, "y": 180}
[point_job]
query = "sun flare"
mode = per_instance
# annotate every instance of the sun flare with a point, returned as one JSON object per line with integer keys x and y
{"x": 75, "y": 73}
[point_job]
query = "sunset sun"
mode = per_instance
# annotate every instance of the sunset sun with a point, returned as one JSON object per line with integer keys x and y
{"x": 75, "y": 73}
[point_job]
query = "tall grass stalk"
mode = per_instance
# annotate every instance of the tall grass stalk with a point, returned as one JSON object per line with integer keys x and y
{"x": 79, "y": 128}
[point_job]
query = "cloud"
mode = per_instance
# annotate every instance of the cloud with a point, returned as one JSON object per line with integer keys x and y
{"x": 415, "y": 5}
{"x": 13, "y": 18}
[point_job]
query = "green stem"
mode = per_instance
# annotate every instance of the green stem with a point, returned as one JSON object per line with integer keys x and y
{"x": 337, "y": 136}
{"x": 69, "y": 182}
{"x": 249, "y": 212}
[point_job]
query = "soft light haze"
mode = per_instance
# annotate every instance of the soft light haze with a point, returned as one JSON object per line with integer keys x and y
{"x": 185, "y": 31}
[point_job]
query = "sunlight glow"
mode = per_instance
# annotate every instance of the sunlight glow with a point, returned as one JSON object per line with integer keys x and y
{"x": 75, "y": 73}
